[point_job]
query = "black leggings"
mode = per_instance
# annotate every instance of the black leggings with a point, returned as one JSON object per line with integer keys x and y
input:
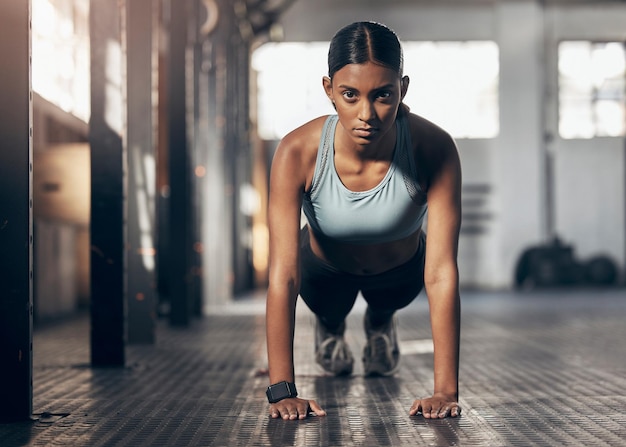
{"x": 331, "y": 293}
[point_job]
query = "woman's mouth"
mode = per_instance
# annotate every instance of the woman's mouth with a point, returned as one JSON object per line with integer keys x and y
{"x": 365, "y": 132}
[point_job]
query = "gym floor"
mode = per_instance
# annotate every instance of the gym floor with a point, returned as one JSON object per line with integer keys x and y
{"x": 537, "y": 369}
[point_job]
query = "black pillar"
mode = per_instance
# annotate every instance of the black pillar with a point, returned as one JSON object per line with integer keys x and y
{"x": 16, "y": 287}
{"x": 197, "y": 148}
{"x": 180, "y": 214}
{"x": 108, "y": 188}
{"x": 141, "y": 62}
{"x": 240, "y": 158}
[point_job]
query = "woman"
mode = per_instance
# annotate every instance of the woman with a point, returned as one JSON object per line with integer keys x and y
{"x": 364, "y": 178}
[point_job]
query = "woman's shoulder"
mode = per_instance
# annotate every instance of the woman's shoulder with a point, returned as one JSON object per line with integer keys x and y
{"x": 433, "y": 147}
{"x": 297, "y": 151}
{"x": 425, "y": 132}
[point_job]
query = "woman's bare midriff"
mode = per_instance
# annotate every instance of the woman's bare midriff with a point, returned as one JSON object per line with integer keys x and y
{"x": 368, "y": 259}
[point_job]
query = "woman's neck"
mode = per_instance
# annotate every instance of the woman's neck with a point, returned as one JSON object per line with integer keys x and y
{"x": 378, "y": 150}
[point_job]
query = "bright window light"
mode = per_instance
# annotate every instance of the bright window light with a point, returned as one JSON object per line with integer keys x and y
{"x": 289, "y": 85}
{"x": 60, "y": 47}
{"x": 454, "y": 84}
{"x": 592, "y": 89}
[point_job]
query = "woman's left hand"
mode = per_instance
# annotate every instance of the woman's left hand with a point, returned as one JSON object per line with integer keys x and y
{"x": 438, "y": 406}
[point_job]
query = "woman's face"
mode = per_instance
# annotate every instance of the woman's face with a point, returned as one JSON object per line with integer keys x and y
{"x": 366, "y": 98}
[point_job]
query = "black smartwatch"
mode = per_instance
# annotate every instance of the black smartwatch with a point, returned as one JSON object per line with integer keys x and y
{"x": 281, "y": 390}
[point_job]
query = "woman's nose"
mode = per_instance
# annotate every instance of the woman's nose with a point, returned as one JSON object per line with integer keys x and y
{"x": 366, "y": 111}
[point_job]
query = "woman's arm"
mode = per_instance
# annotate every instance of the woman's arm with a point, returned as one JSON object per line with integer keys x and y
{"x": 287, "y": 182}
{"x": 441, "y": 277}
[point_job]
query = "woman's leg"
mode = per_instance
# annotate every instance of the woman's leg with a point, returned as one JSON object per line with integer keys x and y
{"x": 385, "y": 294}
{"x": 383, "y": 303}
{"x": 390, "y": 291}
{"x": 326, "y": 291}
{"x": 381, "y": 354}
{"x": 330, "y": 296}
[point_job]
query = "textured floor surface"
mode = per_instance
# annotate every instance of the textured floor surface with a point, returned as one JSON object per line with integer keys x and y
{"x": 537, "y": 369}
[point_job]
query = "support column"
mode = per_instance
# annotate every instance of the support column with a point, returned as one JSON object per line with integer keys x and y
{"x": 520, "y": 153}
{"x": 108, "y": 184}
{"x": 217, "y": 224}
{"x": 241, "y": 161}
{"x": 180, "y": 213}
{"x": 226, "y": 152}
{"x": 141, "y": 59}
{"x": 16, "y": 225}
{"x": 198, "y": 147}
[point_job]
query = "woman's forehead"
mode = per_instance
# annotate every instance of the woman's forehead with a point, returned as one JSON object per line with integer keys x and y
{"x": 365, "y": 73}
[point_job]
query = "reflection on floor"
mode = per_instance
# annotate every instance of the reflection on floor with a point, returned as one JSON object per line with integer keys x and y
{"x": 536, "y": 370}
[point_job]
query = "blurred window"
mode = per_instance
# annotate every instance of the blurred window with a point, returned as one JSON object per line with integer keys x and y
{"x": 454, "y": 84}
{"x": 60, "y": 49}
{"x": 592, "y": 89}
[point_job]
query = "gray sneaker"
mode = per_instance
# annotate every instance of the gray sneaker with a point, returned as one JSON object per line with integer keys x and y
{"x": 381, "y": 355}
{"x": 331, "y": 351}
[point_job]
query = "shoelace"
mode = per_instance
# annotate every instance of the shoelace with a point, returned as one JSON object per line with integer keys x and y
{"x": 338, "y": 353}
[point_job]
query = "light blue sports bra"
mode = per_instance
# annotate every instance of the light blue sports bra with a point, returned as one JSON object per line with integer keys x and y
{"x": 392, "y": 210}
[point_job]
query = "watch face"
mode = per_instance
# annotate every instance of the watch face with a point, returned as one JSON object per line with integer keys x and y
{"x": 280, "y": 391}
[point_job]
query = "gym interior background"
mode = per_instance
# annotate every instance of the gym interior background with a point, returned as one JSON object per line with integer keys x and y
{"x": 136, "y": 137}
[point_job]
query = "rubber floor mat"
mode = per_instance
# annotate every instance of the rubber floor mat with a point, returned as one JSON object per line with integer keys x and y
{"x": 536, "y": 370}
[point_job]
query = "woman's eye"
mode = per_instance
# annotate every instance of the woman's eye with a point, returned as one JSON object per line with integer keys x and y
{"x": 349, "y": 95}
{"x": 384, "y": 95}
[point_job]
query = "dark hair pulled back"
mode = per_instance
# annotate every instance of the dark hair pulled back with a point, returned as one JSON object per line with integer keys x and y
{"x": 362, "y": 42}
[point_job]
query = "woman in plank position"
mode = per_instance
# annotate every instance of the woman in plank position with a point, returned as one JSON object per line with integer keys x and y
{"x": 364, "y": 178}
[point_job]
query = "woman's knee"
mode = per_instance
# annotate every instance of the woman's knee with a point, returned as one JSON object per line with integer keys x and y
{"x": 391, "y": 300}
{"x": 332, "y": 306}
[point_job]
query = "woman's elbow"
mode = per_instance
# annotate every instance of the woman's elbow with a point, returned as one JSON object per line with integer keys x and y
{"x": 442, "y": 276}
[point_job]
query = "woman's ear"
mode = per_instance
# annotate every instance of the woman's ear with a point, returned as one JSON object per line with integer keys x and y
{"x": 404, "y": 86}
{"x": 328, "y": 87}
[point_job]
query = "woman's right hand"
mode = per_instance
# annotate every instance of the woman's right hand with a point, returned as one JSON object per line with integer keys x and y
{"x": 295, "y": 408}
